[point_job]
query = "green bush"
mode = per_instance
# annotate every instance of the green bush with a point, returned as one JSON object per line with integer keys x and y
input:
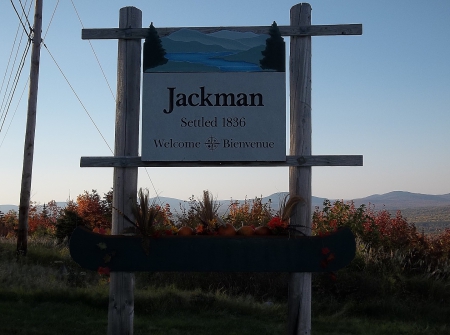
{"x": 67, "y": 223}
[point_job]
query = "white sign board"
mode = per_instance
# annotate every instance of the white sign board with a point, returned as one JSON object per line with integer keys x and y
{"x": 212, "y": 105}
{"x": 232, "y": 116}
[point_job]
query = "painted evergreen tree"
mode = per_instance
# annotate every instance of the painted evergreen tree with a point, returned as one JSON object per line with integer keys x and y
{"x": 153, "y": 50}
{"x": 274, "y": 54}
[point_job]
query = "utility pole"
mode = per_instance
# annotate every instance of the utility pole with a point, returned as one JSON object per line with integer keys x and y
{"x": 28, "y": 151}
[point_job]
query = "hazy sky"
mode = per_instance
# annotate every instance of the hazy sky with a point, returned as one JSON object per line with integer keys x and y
{"x": 384, "y": 94}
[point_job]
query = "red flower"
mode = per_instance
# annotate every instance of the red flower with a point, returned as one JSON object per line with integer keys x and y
{"x": 276, "y": 223}
{"x": 103, "y": 270}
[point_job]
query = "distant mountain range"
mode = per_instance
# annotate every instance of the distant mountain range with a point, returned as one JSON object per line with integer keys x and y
{"x": 402, "y": 200}
{"x": 397, "y": 200}
{"x": 222, "y": 51}
{"x": 219, "y": 41}
{"x": 7, "y": 208}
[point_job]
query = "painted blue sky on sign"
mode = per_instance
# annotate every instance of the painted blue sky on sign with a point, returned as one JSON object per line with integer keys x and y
{"x": 222, "y": 51}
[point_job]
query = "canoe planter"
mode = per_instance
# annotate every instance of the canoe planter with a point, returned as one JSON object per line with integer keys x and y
{"x": 213, "y": 253}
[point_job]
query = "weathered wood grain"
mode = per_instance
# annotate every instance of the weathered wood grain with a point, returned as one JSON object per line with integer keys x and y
{"x": 299, "y": 297}
{"x": 121, "y": 290}
{"x": 299, "y": 30}
{"x": 28, "y": 149}
{"x": 135, "y": 161}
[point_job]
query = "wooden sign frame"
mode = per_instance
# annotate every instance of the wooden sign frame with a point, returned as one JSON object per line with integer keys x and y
{"x": 126, "y": 159}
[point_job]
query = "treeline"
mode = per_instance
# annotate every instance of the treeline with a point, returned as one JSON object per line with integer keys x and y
{"x": 427, "y": 214}
{"x": 383, "y": 238}
{"x": 89, "y": 210}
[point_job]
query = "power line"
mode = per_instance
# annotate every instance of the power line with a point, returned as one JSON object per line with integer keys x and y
{"x": 59, "y": 68}
{"x": 20, "y": 20}
{"x": 76, "y": 95}
{"x": 15, "y": 111}
{"x": 6, "y": 70}
{"x": 16, "y": 81}
{"x": 26, "y": 15}
{"x": 98, "y": 61}
{"x": 5, "y": 104}
{"x": 25, "y": 86}
{"x": 13, "y": 66}
{"x": 51, "y": 19}
{"x": 23, "y": 58}
{"x": 9, "y": 61}
{"x": 109, "y": 86}
{"x": 8, "y": 97}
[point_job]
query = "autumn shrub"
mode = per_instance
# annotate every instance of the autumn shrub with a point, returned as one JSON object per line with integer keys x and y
{"x": 166, "y": 223}
{"x": 340, "y": 214}
{"x": 188, "y": 215}
{"x": 385, "y": 242}
{"x": 206, "y": 210}
{"x": 42, "y": 220}
{"x": 95, "y": 211}
{"x": 150, "y": 219}
{"x": 249, "y": 212}
{"x": 8, "y": 223}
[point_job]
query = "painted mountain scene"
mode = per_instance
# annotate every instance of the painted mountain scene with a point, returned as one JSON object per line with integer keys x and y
{"x": 189, "y": 50}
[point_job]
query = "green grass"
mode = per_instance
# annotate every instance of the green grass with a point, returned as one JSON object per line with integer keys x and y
{"x": 367, "y": 326}
{"x": 179, "y": 312}
{"x": 36, "y": 297}
{"x": 161, "y": 311}
{"x": 22, "y": 317}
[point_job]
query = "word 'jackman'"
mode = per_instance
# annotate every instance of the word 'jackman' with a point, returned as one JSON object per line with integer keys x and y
{"x": 204, "y": 99}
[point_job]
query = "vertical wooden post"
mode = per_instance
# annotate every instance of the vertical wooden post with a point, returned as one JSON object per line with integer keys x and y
{"x": 28, "y": 151}
{"x": 121, "y": 293}
{"x": 299, "y": 300}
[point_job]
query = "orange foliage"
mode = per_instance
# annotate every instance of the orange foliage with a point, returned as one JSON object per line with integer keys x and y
{"x": 250, "y": 212}
{"x": 93, "y": 210}
{"x": 387, "y": 237}
{"x": 42, "y": 219}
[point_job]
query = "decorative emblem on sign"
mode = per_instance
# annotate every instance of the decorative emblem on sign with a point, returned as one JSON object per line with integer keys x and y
{"x": 211, "y": 143}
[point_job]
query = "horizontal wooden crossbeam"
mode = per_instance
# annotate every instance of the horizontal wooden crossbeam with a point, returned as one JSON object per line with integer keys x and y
{"x": 321, "y": 160}
{"x": 140, "y": 33}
